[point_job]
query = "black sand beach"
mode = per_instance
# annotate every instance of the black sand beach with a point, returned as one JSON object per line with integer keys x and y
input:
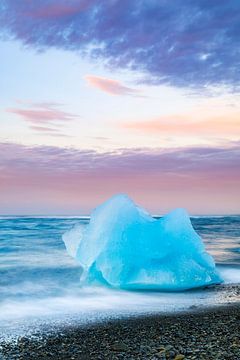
{"x": 199, "y": 334}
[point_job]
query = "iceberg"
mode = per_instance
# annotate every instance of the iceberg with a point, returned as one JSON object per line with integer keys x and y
{"x": 124, "y": 247}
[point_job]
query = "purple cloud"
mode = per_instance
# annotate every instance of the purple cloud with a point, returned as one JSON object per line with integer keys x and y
{"x": 174, "y": 161}
{"x": 47, "y": 179}
{"x": 191, "y": 43}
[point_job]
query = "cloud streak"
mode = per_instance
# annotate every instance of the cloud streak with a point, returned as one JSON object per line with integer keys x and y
{"x": 43, "y": 129}
{"x": 194, "y": 43}
{"x": 185, "y": 126}
{"x": 43, "y": 118}
{"x": 42, "y": 114}
{"x": 110, "y": 86}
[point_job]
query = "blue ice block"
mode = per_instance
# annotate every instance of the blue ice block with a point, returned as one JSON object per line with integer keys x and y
{"x": 125, "y": 247}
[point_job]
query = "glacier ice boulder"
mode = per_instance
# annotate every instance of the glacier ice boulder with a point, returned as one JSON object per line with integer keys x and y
{"x": 125, "y": 247}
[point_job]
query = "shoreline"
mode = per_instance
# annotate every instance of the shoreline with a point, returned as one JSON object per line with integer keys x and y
{"x": 200, "y": 334}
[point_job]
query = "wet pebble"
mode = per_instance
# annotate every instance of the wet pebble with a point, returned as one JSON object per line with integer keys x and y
{"x": 192, "y": 336}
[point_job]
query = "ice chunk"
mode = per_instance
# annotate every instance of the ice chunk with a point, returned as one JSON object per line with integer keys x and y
{"x": 125, "y": 247}
{"x": 72, "y": 239}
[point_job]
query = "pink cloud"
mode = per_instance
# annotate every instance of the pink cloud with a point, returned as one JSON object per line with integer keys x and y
{"x": 43, "y": 117}
{"x": 65, "y": 180}
{"x": 42, "y": 114}
{"x": 183, "y": 125}
{"x": 112, "y": 87}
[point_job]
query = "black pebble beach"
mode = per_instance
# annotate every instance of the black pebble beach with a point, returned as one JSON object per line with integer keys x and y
{"x": 208, "y": 334}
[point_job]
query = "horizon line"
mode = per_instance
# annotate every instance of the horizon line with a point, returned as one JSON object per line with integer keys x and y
{"x": 89, "y": 216}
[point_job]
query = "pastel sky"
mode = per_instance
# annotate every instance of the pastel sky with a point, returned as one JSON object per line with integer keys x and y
{"x": 99, "y": 97}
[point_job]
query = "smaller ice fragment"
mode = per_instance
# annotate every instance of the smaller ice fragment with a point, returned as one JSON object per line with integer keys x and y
{"x": 125, "y": 247}
{"x": 72, "y": 239}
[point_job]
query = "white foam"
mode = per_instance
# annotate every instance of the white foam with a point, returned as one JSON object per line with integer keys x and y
{"x": 83, "y": 305}
{"x": 230, "y": 275}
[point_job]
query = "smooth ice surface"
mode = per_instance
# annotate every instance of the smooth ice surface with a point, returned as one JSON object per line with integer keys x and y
{"x": 125, "y": 247}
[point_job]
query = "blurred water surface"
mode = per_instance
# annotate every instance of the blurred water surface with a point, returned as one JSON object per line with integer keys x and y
{"x": 38, "y": 277}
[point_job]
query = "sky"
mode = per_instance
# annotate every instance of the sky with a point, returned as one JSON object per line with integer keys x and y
{"x": 99, "y": 97}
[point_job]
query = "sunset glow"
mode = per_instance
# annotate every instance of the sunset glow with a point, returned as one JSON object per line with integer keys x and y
{"x": 106, "y": 97}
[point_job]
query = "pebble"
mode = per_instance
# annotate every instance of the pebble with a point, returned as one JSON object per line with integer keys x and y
{"x": 120, "y": 346}
{"x": 208, "y": 335}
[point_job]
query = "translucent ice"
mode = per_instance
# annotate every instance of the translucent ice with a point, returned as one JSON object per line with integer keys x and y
{"x": 125, "y": 247}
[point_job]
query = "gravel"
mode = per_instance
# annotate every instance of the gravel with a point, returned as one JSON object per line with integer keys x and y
{"x": 206, "y": 335}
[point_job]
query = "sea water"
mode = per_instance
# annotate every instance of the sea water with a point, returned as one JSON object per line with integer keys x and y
{"x": 39, "y": 281}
